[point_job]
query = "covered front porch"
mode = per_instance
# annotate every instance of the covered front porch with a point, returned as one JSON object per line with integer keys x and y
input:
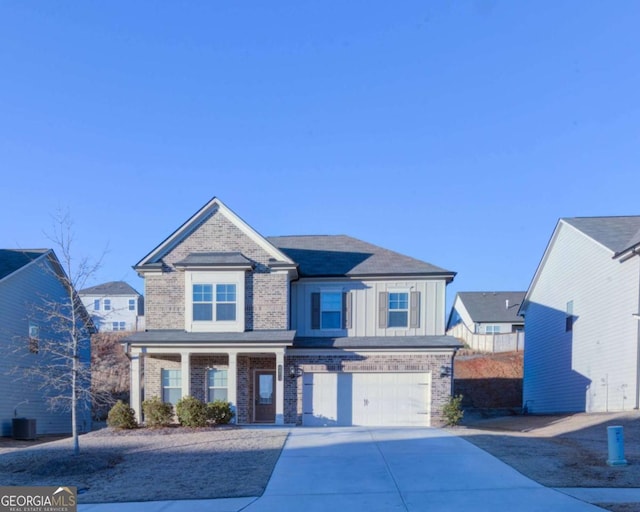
{"x": 249, "y": 375}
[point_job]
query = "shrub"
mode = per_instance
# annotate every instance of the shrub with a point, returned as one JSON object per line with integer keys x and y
{"x": 191, "y": 412}
{"x": 220, "y": 412}
{"x": 157, "y": 413}
{"x": 452, "y": 411}
{"x": 121, "y": 416}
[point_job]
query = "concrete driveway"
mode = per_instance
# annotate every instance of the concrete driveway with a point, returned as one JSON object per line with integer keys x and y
{"x": 399, "y": 469}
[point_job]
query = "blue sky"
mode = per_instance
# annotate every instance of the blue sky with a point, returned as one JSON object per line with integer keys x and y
{"x": 454, "y": 132}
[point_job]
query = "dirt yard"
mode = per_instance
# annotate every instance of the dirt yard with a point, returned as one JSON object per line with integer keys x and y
{"x": 561, "y": 451}
{"x": 146, "y": 464}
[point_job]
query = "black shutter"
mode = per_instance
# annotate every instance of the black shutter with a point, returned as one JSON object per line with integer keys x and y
{"x": 315, "y": 310}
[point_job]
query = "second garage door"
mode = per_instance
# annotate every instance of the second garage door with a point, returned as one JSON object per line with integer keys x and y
{"x": 369, "y": 399}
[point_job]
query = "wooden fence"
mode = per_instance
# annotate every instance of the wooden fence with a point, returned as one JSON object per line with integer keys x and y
{"x": 491, "y": 343}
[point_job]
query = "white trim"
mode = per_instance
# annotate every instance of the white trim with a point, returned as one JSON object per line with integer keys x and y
{"x": 211, "y": 207}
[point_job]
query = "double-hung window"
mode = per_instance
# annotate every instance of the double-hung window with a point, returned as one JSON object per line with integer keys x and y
{"x": 204, "y": 301}
{"x": 492, "y": 329}
{"x": 118, "y": 326}
{"x": 107, "y": 304}
{"x": 331, "y": 310}
{"x": 217, "y": 384}
{"x": 398, "y": 312}
{"x": 171, "y": 386}
{"x": 399, "y": 309}
{"x": 132, "y": 304}
{"x": 226, "y": 302}
{"x": 96, "y": 304}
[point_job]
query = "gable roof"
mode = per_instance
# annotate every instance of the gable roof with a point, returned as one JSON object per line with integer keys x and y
{"x": 617, "y": 234}
{"x": 12, "y": 260}
{"x": 341, "y": 255}
{"x": 153, "y": 259}
{"x": 110, "y": 288}
{"x": 486, "y": 307}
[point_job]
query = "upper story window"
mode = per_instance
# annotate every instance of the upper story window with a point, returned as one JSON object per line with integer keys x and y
{"x": 398, "y": 309}
{"x": 568, "y": 323}
{"x": 331, "y": 310}
{"x": 204, "y": 302}
{"x": 34, "y": 338}
{"x": 214, "y": 301}
{"x": 96, "y": 304}
{"x": 107, "y": 304}
{"x": 132, "y": 304}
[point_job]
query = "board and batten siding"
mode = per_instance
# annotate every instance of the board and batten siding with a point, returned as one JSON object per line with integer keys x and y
{"x": 19, "y": 292}
{"x": 592, "y": 367}
{"x": 364, "y": 306}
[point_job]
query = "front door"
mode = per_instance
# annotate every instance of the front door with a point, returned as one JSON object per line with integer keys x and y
{"x": 264, "y": 391}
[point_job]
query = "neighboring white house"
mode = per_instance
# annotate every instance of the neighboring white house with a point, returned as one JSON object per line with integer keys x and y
{"x": 488, "y": 321}
{"x": 114, "y": 306}
{"x": 31, "y": 282}
{"x": 581, "y": 318}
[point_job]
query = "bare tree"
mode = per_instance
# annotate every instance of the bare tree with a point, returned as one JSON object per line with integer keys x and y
{"x": 63, "y": 370}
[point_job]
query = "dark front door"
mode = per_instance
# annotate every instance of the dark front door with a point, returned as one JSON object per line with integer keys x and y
{"x": 264, "y": 392}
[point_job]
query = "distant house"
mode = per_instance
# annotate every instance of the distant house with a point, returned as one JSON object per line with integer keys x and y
{"x": 114, "y": 306}
{"x": 306, "y": 330}
{"x": 488, "y": 321}
{"x": 487, "y": 312}
{"x": 32, "y": 284}
{"x": 581, "y": 318}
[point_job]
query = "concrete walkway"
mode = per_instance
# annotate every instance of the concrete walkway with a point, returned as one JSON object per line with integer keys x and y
{"x": 383, "y": 469}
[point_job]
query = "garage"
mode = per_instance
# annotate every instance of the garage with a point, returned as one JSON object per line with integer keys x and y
{"x": 367, "y": 399}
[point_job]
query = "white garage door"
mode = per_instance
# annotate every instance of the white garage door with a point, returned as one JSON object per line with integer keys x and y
{"x": 369, "y": 399}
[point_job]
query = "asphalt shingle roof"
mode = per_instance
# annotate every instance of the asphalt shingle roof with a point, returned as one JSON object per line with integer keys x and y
{"x": 110, "y": 288}
{"x": 172, "y": 336}
{"x": 491, "y": 306}
{"x": 14, "y": 259}
{"x": 362, "y": 342}
{"x": 341, "y": 255}
{"x": 615, "y": 233}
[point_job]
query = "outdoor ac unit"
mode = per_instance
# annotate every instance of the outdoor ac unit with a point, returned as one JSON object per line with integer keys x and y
{"x": 24, "y": 428}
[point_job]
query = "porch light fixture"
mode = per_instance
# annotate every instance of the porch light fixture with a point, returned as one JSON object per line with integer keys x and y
{"x": 445, "y": 371}
{"x": 294, "y": 372}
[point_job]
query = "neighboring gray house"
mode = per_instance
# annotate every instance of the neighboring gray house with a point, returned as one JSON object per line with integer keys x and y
{"x": 487, "y": 312}
{"x": 114, "y": 306}
{"x": 581, "y": 318}
{"x": 306, "y": 330}
{"x": 30, "y": 281}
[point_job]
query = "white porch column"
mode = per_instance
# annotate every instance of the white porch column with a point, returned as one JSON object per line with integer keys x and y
{"x": 232, "y": 384}
{"x": 185, "y": 360}
{"x": 135, "y": 398}
{"x": 280, "y": 387}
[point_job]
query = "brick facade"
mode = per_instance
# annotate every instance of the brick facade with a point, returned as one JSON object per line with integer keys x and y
{"x": 424, "y": 362}
{"x": 266, "y": 292}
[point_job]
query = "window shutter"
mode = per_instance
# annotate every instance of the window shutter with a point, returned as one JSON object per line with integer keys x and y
{"x": 346, "y": 310}
{"x": 315, "y": 310}
{"x": 414, "y": 310}
{"x": 383, "y": 305}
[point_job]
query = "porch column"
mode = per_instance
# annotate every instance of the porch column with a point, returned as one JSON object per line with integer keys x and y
{"x": 280, "y": 387}
{"x": 232, "y": 384}
{"x": 135, "y": 372}
{"x": 185, "y": 360}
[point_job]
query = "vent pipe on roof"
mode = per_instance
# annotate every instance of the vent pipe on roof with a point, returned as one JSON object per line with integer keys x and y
{"x": 506, "y": 303}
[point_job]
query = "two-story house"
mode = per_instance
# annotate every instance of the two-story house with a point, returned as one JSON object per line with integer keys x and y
{"x": 34, "y": 306}
{"x": 114, "y": 306}
{"x": 307, "y": 330}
